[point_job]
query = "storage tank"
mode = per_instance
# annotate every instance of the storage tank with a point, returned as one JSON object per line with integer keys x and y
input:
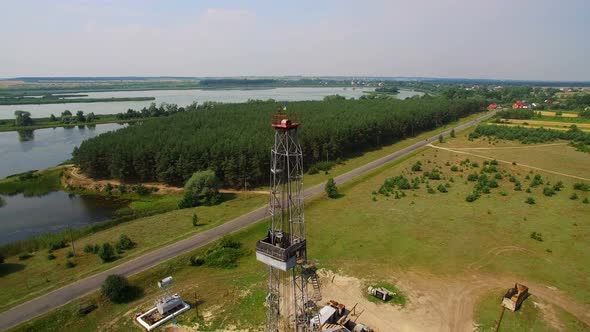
{"x": 166, "y": 304}
{"x": 165, "y": 282}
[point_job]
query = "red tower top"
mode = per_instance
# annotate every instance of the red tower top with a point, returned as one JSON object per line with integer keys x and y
{"x": 280, "y": 121}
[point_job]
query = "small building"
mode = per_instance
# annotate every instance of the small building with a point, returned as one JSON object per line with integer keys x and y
{"x": 521, "y": 104}
{"x": 492, "y": 106}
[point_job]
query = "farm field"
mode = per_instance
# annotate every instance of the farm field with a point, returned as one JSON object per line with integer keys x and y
{"x": 452, "y": 259}
{"x": 555, "y": 125}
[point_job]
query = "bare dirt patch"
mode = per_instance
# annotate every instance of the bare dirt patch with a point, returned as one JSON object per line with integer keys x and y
{"x": 73, "y": 177}
{"x": 438, "y": 303}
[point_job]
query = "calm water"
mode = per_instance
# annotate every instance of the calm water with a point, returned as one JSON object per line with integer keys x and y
{"x": 186, "y": 97}
{"x": 43, "y": 148}
{"x": 23, "y": 217}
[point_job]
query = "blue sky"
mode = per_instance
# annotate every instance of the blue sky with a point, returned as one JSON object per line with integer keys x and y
{"x": 512, "y": 39}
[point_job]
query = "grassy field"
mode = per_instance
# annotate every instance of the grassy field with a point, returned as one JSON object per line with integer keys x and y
{"x": 8, "y": 124}
{"x": 156, "y": 231}
{"x": 376, "y": 237}
{"x": 38, "y": 275}
{"x": 32, "y": 183}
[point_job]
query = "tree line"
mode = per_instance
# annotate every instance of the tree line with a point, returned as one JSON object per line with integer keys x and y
{"x": 234, "y": 140}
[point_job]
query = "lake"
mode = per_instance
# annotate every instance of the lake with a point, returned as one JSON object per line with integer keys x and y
{"x": 186, "y": 97}
{"x": 43, "y": 148}
{"x": 22, "y": 217}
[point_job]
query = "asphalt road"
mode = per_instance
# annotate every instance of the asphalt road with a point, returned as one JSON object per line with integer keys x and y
{"x": 59, "y": 297}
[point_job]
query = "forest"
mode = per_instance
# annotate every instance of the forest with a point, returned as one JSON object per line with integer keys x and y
{"x": 234, "y": 139}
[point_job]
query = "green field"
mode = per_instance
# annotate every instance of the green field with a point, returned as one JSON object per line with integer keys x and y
{"x": 423, "y": 244}
{"x": 155, "y": 230}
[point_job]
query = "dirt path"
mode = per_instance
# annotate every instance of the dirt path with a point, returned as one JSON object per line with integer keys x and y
{"x": 438, "y": 303}
{"x": 508, "y": 162}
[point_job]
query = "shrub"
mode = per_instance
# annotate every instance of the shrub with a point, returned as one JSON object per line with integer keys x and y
{"x": 69, "y": 264}
{"x": 472, "y": 197}
{"x": 91, "y": 249}
{"x": 24, "y": 256}
{"x": 574, "y": 196}
{"x": 50, "y": 257}
{"x": 201, "y": 188}
{"x": 453, "y": 133}
{"x": 548, "y": 191}
{"x": 70, "y": 254}
{"x": 417, "y": 167}
{"x": 472, "y": 177}
{"x": 434, "y": 174}
{"x": 498, "y": 176}
{"x": 585, "y": 201}
{"x": 455, "y": 168}
{"x": 582, "y": 186}
{"x": 494, "y": 162}
{"x": 430, "y": 190}
{"x": 474, "y": 165}
{"x": 558, "y": 186}
{"x": 313, "y": 170}
{"x": 537, "y": 180}
{"x": 116, "y": 288}
{"x": 195, "y": 220}
{"x": 224, "y": 254}
{"x": 106, "y": 252}
{"x": 141, "y": 190}
{"x": 124, "y": 243}
{"x": 400, "y": 182}
{"x": 442, "y": 188}
{"x": 331, "y": 188}
{"x": 197, "y": 260}
{"x": 57, "y": 245}
{"x": 537, "y": 236}
{"x": 530, "y": 200}
{"x": 517, "y": 187}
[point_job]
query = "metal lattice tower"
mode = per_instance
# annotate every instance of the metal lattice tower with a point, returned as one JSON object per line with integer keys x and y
{"x": 284, "y": 248}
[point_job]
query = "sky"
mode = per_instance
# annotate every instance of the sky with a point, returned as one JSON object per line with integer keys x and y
{"x": 500, "y": 39}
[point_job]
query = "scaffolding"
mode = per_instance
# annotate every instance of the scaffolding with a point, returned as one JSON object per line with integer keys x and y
{"x": 284, "y": 248}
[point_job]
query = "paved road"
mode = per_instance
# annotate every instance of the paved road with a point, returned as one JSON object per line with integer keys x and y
{"x": 59, "y": 297}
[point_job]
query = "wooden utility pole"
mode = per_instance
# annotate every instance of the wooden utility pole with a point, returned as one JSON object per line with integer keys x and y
{"x": 72, "y": 240}
{"x": 500, "y": 320}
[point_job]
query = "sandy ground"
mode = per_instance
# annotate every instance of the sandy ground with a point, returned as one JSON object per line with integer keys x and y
{"x": 438, "y": 303}
{"x": 74, "y": 178}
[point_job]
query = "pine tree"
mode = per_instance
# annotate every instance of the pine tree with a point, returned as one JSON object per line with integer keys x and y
{"x": 331, "y": 188}
{"x": 195, "y": 220}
